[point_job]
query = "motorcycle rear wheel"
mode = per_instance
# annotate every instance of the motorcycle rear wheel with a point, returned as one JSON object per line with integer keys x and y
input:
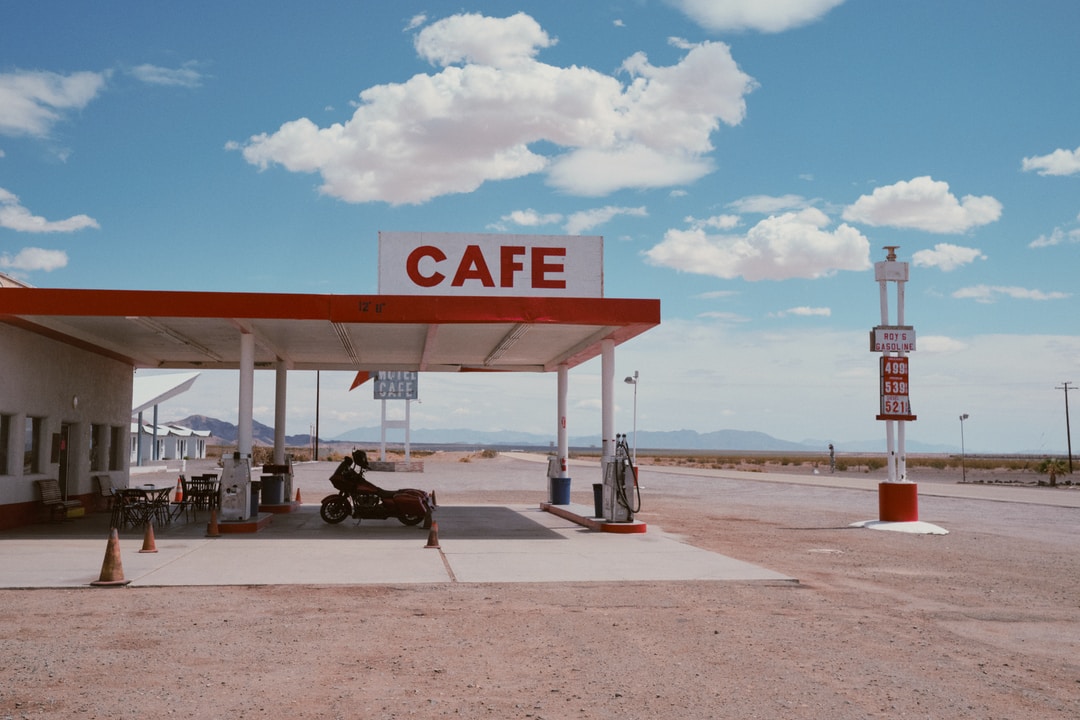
{"x": 334, "y": 509}
{"x": 411, "y": 519}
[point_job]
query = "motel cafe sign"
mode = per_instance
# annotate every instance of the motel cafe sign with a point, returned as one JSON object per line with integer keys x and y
{"x": 392, "y": 385}
{"x": 414, "y": 263}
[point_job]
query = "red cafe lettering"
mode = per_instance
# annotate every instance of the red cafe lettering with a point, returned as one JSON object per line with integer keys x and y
{"x": 546, "y": 268}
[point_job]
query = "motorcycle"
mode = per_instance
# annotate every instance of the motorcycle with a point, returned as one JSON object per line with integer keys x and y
{"x": 359, "y": 498}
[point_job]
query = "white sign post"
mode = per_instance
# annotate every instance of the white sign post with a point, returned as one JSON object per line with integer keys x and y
{"x": 898, "y": 498}
{"x": 395, "y": 386}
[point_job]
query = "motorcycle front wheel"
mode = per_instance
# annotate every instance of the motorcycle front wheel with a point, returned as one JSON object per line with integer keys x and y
{"x": 411, "y": 519}
{"x": 334, "y": 509}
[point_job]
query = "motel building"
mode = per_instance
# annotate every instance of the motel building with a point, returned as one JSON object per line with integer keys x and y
{"x": 447, "y": 302}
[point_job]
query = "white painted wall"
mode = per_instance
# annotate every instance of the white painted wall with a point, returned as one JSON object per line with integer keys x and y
{"x": 40, "y": 377}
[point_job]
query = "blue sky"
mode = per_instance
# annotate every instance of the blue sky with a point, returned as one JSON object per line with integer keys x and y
{"x": 745, "y": 162}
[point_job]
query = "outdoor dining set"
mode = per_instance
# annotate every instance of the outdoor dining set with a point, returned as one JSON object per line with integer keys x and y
{"x": 160, "y": 504}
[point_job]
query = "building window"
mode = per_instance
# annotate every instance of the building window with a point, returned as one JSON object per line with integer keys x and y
{"x": 5, "y": 443}
{"x": 116, "y": 448}
{"x": 32, "y": 446}
{"x": 99, "y": 447}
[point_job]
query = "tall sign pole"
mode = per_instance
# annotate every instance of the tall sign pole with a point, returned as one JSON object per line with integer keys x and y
{"x": 898, "y": 497}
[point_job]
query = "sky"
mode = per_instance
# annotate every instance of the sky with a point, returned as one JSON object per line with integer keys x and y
{"x": 745, "y": 161}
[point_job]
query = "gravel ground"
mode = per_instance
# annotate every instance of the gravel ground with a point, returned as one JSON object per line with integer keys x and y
{"x": 979, "y": 623}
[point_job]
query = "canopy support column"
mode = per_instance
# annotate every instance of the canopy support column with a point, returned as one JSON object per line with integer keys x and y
{"x": 280, "y": 386}
{"x": 247, "y": 394}
{"x": 607, "y": 398}
{"x": 560, "y": 433}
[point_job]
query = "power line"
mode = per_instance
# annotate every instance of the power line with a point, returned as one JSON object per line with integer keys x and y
{"x": 1068, "y": 435}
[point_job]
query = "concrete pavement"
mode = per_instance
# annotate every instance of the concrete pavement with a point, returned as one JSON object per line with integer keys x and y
{"x": 477, "y": 544}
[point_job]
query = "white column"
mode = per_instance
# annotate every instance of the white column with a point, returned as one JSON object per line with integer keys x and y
{"x": 560, "y": 434}
{"x": 280, "y": 385}
{"x": 607, "y": 397}
{"x": 247, "y": 394}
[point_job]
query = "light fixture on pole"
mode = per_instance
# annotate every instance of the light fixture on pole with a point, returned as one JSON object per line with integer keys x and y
{"x": 633, "y": 380}
{"x": 963, "y": 469}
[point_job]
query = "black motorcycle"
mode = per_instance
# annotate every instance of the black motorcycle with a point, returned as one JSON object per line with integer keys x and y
{"x": 359, "y": 498}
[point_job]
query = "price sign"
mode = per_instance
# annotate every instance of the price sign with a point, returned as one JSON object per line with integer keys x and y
{"x": 895, "y": 402}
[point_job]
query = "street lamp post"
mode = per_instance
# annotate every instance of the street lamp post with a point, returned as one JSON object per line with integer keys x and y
{"x": 633, "y": 380}
{"x": 963, "y": 469}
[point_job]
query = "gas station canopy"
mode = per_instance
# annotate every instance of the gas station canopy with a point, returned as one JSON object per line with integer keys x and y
{"x": 430, "y": 333}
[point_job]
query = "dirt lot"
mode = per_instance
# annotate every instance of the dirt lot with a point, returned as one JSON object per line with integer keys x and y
{"x": 975, "y": 624}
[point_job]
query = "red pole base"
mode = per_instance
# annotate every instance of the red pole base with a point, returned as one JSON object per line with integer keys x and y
{"x": 898, "y": 502}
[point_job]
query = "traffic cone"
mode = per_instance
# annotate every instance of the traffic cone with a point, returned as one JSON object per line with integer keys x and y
{"x": 212, "y": 528}
{"x": 433, "y": 536}
{"x": 112, "y": 569}
{"x": 179, "y": 496}
{"x": 148, "y": 544}
{"x": 298, "y": 500}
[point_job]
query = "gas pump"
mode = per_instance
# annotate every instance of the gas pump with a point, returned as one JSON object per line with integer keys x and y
{"x": 235, "y": 497}
{"x": 621, "y": 497}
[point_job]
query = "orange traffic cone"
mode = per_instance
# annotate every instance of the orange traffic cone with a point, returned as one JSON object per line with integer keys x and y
{"x": 212, "y": 528}
{"x": 112, "y": 569}
{"x": 298, "y": 500}
{"x": 433, "y": 536}
{"x": 179, "y": 496}
{"x": 148, "y": 544}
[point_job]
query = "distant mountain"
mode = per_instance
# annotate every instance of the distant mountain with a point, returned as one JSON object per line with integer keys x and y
{"x": 744, "y": 440}
{"x": 668, "y": 440}
{"x": 227, "y": 432}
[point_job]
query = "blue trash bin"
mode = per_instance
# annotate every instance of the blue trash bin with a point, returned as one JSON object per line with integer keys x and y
{"x": 560, "y": 491}
{"x": 273, "y": 489}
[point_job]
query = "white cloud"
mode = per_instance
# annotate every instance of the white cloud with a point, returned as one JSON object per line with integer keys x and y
{"x": 531, "y": 218}
{"x": 1057, "y": 237}
{"x": 768, "y": 204}
{"x": 415, "y": 21}
{"x": 481, "y": 40}
{"x": 1059, "y": 162}
{"x": 946, "y": 257}
{"x": 940, "y": 344}
{"x": 805, "y": 311}
{"x": 32, "y": 102}
{"x": 717, "y": 222}
{"x": 923, "y": 204}
{"x": 792, "y": 245}
{"x": 34, "y": 259}
{"x": 762, "y": 15}
{"x": 580, "y": 222}
{"x": 14, "y": 216}
{"x": 478, "y": 119}
{"x": 723, "y": 316}
{"x": 186, "y": 76}
{"x": 990, "y": 293}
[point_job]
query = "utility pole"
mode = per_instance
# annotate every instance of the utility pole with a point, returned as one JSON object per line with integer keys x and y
{"x": 1068, "y": 435}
